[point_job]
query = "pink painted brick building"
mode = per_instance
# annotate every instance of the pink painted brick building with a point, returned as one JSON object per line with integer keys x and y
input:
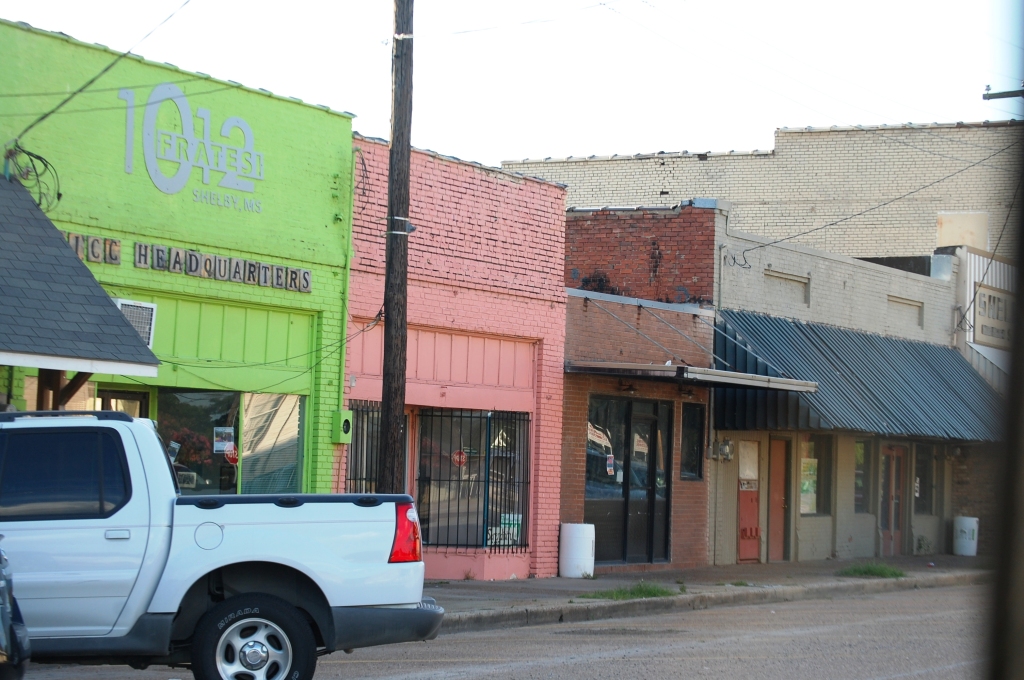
{"x": 486, "y": 316}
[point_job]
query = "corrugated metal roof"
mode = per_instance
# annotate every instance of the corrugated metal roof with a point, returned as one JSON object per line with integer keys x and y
{"x": 866, "y": 382}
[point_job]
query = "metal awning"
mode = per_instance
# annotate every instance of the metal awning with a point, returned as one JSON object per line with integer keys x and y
{"x": 690, "y": 373}
{"x": 866, "y": 382}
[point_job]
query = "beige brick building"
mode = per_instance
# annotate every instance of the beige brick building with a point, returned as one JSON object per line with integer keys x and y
{"x": 959, "y": 175}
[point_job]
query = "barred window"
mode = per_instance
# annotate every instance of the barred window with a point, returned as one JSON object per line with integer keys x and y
{"x": 363, "y": 456}
{"x": 473, "y": 478}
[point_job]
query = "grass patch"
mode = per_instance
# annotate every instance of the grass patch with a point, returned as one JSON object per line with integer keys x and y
{"x": 682, "y": 589}
{"x": 740, "y": 584}
{"x": 633, "y": 592}
{"x": 871, "y": 570}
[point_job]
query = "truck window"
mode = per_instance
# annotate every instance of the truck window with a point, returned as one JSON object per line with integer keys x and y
{"x": 62, "y": 473}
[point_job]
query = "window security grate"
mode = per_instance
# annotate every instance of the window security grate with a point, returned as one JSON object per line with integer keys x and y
{"x": 142, "y": 317}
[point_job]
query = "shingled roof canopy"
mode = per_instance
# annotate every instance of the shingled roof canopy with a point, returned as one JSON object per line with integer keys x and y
{"x": 53, "y": 314}
{"x": 866, "y": 382}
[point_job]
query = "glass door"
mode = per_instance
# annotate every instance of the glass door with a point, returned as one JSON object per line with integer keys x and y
{"x": 639, "y": 511}
{"x": 627, "y": 496}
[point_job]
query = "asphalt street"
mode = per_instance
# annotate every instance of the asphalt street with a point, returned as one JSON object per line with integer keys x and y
{"x": 929, "y": 633}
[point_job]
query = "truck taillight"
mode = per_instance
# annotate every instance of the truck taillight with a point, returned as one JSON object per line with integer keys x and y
{"x": 406, "y": 547}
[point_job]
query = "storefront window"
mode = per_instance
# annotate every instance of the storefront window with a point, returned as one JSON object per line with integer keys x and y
{"x": 692, "y": 455}
{"x": 474, "y": 478}
{"x": 924, "y": 479}
{"x": 816, "y": 475}
{"x": 862, "y": 476}
{"x": 200, "y": 428}
{"x": 272, "y": 427}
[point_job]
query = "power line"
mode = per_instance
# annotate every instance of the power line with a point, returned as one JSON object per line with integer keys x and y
{"x": 96, "y": 77}
{"x": 121, "y": 107}
{"x": 376, "y": 319}
{"x": 873, "y": 208}
{"x": 1009, "y": 211}
{"x": 889, "y": 138}
{"x": 96, "y": 90}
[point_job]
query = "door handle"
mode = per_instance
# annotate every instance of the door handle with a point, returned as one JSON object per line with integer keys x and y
{"x": 117, "y": 534}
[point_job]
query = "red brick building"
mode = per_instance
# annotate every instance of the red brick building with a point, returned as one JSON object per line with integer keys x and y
{"x": 484, "y": 377}
{"x": 635, "y": 427}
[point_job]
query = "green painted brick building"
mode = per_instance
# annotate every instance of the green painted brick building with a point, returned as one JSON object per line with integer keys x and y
{"x": 219, "y": 218}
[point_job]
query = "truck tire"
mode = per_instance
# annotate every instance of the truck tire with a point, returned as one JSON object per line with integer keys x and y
{"x": 12, "y": 672}
{"x": 253, "y": 637}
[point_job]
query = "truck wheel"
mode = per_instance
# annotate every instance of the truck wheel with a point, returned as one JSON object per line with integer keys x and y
{"x": 253, "y": 637}
{"x": 15, "y": 672}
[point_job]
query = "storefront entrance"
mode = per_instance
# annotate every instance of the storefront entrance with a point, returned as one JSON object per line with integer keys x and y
{"x": 894, "y": 461}
{"x": 626, "y": 496}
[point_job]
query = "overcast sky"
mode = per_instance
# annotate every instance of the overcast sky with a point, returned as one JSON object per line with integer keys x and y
{"x": 497, "y": 80}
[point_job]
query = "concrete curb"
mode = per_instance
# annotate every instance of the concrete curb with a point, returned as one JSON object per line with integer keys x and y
{"x": 517, "y": 617}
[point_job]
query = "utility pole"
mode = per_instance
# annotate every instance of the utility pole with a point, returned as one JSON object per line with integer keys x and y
{"x": 391, "y": 465}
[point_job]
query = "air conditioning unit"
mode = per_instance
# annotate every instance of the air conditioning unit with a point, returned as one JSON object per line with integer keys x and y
{"x": 141, "y": 315}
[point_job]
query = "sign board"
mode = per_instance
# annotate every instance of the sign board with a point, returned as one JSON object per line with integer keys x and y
{"x": 224, "y": 442}
{"x": 808, "y": 486}
{"x": 597, "y": 436}
{"x": 459, "y": 458}
{"x": 749, "y": 452}
{"x": 993, "y": 312}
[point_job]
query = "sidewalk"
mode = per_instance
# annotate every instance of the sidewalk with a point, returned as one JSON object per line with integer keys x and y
{"x": 483, "y": 605}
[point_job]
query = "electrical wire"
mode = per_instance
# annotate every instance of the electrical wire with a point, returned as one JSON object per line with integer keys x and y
{"x": 340, "y": 344}
{"x": 36, "y": 174}
{"x": 96, "y": 90}
{"x": 310, "y": 369}
{"x": 96, "y": 77}
{"x": 743, "y": 253}
{"x": 121, "y": 107}
{"x": 894, "y": 140}
{"x": 376, "y": 319}
{"x": 1009, "y": 211}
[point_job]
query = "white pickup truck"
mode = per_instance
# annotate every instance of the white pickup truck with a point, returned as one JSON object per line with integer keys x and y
{"x": 113, "y": 565}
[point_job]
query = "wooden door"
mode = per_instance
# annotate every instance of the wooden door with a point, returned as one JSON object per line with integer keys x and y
{"x": 749, "y": 514}
{"x": 894, "y": 465}
{"x": 778, "y": 500}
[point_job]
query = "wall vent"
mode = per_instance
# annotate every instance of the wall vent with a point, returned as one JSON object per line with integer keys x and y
{"x": 141, "y": 315}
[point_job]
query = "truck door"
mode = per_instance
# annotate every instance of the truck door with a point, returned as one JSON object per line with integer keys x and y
{"x": 75, "y": 528}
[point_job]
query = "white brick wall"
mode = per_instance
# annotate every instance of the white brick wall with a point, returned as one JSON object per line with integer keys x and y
{"x": 844, "y": 291}
{"x": 814, "y": 177}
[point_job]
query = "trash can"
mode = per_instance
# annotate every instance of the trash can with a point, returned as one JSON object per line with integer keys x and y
{"x": 965, "y": 536}
{"x": 576, "y": 551}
